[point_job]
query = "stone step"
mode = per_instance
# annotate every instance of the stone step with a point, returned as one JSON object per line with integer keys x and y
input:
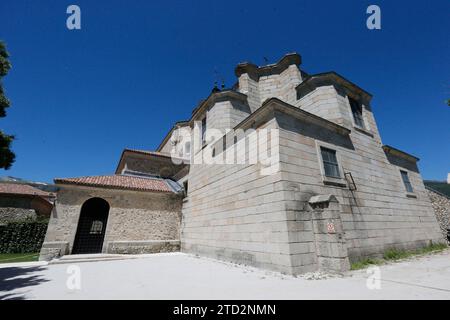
{"x": 76, "y": 258}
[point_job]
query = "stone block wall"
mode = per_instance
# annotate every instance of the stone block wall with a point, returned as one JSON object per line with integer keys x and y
{"x": 249, "y": 87}
{"x": 331, "y": 249}
{"x": 376, "y": 216}
{"x": 331, "y": 103}
{"x": 225, "y": 115}
{"x": 323, "y": 103}
{"x": 280, "y": 85}
{"x": 233, "y": 212}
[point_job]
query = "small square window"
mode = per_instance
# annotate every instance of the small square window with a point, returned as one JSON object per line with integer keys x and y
{"x": 357, "y": 112}
{"x": 330, "y": 163}
{"x": 406, "y": 181}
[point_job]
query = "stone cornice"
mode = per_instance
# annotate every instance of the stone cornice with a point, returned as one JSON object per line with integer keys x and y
{"x": 331, "y": 78}
{"x": 396, "y": 152}
{"x": 255, "y": 71}
{"x": 148, "y": 155}
{"x": 214, "y": 97}
{"x": 177, "y": 124}
{"x": 271, "y": 106}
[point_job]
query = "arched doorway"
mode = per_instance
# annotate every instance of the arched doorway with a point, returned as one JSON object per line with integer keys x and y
{"x": 91, "y": 226}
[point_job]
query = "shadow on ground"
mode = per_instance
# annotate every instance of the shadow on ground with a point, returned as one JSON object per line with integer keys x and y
{"x": 12, "y": 279}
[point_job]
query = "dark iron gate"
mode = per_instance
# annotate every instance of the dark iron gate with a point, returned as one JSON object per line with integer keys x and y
{"x": 91, "y": 227}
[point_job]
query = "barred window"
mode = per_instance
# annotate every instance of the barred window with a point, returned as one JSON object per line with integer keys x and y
{"x": 330, "y": 163}
{"x": 96, "y": 227}
{"x": 357, "y": 112}
{"x": 406, "y": 181}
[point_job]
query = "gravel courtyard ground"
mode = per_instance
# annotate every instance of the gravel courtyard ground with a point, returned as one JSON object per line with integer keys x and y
{"x": 181, "y": 276}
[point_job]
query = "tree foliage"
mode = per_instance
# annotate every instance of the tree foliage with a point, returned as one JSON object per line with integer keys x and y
{"x": 6, "y": 155}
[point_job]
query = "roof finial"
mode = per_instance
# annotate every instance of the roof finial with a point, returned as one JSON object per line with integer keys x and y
{"x": 215, "y": 89}
{"x": 216, "y": 76}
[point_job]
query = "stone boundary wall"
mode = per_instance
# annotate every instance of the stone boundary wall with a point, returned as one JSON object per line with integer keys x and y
{"x": 441, "y": 206}
{"x": 9, "y": 214}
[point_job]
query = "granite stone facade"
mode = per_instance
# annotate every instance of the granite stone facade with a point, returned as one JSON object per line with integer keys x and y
{"x": 235, "y": 213}
{"x": 291, "y": 214}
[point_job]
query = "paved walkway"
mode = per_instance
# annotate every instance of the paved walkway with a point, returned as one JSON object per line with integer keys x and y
{"x": 181, "y": 276}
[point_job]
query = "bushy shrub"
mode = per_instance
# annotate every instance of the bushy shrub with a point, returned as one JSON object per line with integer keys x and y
{"x": 22, "y": 237}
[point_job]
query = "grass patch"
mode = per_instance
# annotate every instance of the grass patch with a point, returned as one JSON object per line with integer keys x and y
{"x": 364, "y": 263}
{"x": 396, "y": 254}
{"x": 18, "y": 257}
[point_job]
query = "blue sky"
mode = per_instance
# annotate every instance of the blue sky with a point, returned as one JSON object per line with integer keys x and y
{"x": 80, "y": 97}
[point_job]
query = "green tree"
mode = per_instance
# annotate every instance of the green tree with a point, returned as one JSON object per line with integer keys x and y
{"x": 6, "y": 155}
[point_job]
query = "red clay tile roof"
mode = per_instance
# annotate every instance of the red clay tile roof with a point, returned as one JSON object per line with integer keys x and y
{"x": 120, "y": 182}
{"x": 19, "y": 188}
